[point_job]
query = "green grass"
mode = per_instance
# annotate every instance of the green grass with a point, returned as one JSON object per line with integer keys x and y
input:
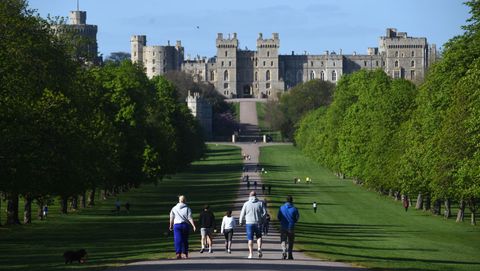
{"x": 264, "y": 126}
{"x": 113, "y": 239}
{"x": 356, "y": 225}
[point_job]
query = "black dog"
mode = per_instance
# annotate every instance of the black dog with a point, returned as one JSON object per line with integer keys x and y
{"x": 71, "y": 256}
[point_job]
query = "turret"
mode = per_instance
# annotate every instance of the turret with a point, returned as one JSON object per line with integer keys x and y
{"x": 137, "y": 43}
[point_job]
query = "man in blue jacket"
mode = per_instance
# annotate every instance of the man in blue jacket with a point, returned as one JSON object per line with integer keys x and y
{"x": 288, "y": 215}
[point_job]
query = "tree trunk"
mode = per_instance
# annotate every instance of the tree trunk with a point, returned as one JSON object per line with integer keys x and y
{"x": 473, "y": 208}
{"x": 461, "y": 211}
{"x": 105, "y": 193}
{"x": 448, "y": 209}
{"x": 91, "y": 197}
{"x": 428, "y": 203}
{"x": 64, "y": 205}
{"x": 75, "y": 202}
{"x": 83, "y": 200}
{"x": 40, "y": 210}
{"x": 12, "y": 209}
{"x": 419, "y": 204}
{"x": 27, "y": 210}
{"x": 437, "y": 207}
{"x": 398, "y": 196}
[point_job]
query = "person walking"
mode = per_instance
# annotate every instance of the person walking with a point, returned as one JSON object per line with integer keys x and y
{"x": 263, "y": 188}
{"x": 45, "y": 211}
{"x": 266, "y": 224}
{"x": 314, "y": 205}
{"x": 287, "y": 215}
{"x": 180, "y": 216}
{"x": 405, "y": 202}
{"x": 117, "y": 205}
{"x": 255, "y": 185}
{"x": 269, "y": 189}
{"x": 248, "y": 185}
{"x": 207, "y": 225}
{"x": 253, "y": 211}
{"x": 227, "y": 227}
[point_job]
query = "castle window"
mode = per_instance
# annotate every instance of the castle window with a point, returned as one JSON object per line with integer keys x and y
{"x": 222, "y": 63}
{"x": 212, "y": 75}
{"x": 334, "y": 76}
{"x": 225, "y": 85}
{"x": 225, "y": 76}
{"x": 267, "y": 85}
{"x": 153, "y": 69}
{"x": 134, "y": 53}
{"x": 256, "y": 76}
{"x": 312, "y": 75}
{"x": 153, "y": 53}
{"x": 365, "y": 63}
{"x": 321, "y": 63}
{"x": 271, "y": 63}
{"x": 413, "y": 54}
{"x": 334, "y": 63}
{"x": 153, "y": 61}
{"x": 396, "y": 53}
{"x": 396, "y": 63}
{"x": 412, "y": 64}
{"x": 396, "y": 74}
{"x": 412, "y": 74}
{"x": 322, "y": 76}
{"x": 267, "y": 75}
{"x": 376, "y": 63}
{"x": 268, "y": 53}
{"x": 264, "y": 63}
{"x": 229, "y": 63}
{"x": 311, "y": 63}
{"x": 226, "y": 53}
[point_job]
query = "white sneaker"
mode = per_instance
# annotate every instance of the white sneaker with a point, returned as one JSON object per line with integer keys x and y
{"x": 250, "y": 256}
{"x": 229, "y": 251}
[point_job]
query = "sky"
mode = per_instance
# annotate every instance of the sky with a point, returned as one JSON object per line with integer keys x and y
{"x": 311, "y": 26}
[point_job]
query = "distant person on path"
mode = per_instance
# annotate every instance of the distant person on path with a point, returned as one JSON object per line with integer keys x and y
{"x": 228, "y": 225}
{"x": 45, "y": 211}
{"x": 117, "y": 205}
{"x": 207, "y": 225}
{"x": 266, "y": 224}
{"x": 314, "y": 205}
{"x": 253, "y": 211}
{"x": 287, "y": 215}
{"x": 263, "y": 188}
{"x": 405, "y": 202}
{"x": 180, "y": 215}
{"x": 255, "y": 185}
{"x": 269, "y": 189}
{"x": 248, "y": 185}
{"x": 127, "y": 206}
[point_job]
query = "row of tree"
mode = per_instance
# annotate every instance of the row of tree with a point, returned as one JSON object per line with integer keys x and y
{"x": 67, "y": 130}
{"x": 399, "y": 139}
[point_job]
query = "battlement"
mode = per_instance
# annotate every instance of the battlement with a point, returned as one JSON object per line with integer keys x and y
{"x": 78, "y": 17}
{"x": 274, "y": 42}
{"x": 142, "y": 39}
{"x": 230, "y": 42}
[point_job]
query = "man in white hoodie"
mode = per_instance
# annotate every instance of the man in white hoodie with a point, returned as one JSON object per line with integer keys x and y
{"x": 180, "y": 215}
{"x": 254, "y": 212}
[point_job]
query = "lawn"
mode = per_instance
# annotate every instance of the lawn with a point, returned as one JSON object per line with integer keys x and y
{"x": 356, "y": 225}
{"x": 264, "y": 126}
{"x": 114, "y": 239}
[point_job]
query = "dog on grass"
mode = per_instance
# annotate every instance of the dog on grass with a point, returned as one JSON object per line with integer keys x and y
{"x": 71, "y": 256}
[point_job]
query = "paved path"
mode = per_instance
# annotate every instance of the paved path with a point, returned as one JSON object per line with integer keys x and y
{"x": 219, "y": 259}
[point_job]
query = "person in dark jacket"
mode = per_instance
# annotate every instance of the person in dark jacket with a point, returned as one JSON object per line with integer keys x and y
{"x": 207, "y": 225}
{"x": 287, "y": 215}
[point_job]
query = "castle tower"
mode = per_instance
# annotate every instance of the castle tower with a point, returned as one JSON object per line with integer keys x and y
{"x": 137, "y": 42}
{"x": 202, "y": 111}
{"x": 266, "y": 66}
{"x": 83, "y": 37}
{"x": 227, "y": 65}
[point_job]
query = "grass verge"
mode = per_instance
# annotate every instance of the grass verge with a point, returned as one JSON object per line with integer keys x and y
{"x": 355, "y": 225}
{"x": 263, "y": 125}
{"x": 113, "y": 239}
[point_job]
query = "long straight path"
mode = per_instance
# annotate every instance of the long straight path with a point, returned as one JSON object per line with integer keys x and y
{"x": 237, "y": 260}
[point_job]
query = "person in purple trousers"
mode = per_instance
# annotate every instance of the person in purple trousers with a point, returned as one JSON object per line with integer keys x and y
{"x": 180, "y": 216}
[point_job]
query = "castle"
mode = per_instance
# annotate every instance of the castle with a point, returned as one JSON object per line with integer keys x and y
{"x": 83, "y": 35}
{"x": 263, "y": 73}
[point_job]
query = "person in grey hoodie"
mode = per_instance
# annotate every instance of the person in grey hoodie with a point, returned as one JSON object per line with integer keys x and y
{"x": 253, "y": 211}
{"x": 180, "y": 215}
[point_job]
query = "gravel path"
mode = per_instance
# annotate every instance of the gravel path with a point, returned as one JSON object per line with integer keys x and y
{"x": 237, "y": 260}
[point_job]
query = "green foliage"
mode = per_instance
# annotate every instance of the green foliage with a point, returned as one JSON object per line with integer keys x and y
{"x": 296, "y": 103}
